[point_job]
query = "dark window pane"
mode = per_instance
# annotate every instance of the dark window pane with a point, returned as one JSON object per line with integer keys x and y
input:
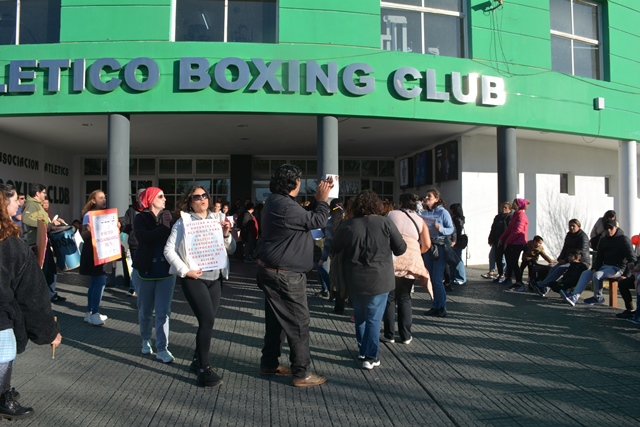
{"x": 200, "y": 20}
{"x": 221, "y": 166}
{"x": 146, "y": 166}
{"x": 182, "y": 185}
{"x": 349, "y": 187}
{"x": 585, "y": 60}
{"x": 369, "y": 168}
{"x": 442, "y": 35}
{"x": 133, "y": 166}
{"x": 387, "y": 188}
{"x": 221, "y": 186}
{"x": 365, "y": 184}
{"x": 92, "y": 167}
{"x": 407, "y": 2}
{"x": 168, "y": 166}
{"x": 386, "y": 168}
{"x": 301, "y": 164}
{"x": 252, "y": 21}
{"x": 204, "y": 183}
{"x": 7, "y": 22}
{"x": 104, "y": 188}
{"x": 171, "y": 203}
{"x": 560, "y": 11}
{"x": 452, "y": 5}
{"x": 103, "y": 165}
{"x": 39, "y": 21}
{"x": 377, "y": 187}
{"x": 185, "y": 166}
{"x": 203, "y": 166}
{"x": 275, "y": 164}
{"x": 91, "y": 186}
{"x": 260, "y": 166}
{"x": 561, "y": 55}
{"x": 395, "y": 24}
{"x": 168, "y": 185}
{"x": 312, "y": 167}
{"x": 585, "y": 20}
{"x": 352, "y": 167}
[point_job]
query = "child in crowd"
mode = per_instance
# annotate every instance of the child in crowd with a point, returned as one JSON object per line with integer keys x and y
{"x": 530, "y": 257}
{"x": 569, "y": 279}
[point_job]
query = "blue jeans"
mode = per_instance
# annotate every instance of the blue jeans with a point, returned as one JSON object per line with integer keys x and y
{"x": 492, "y": 260}
{"x": 436, "y": 271}
{"x": 154, "y": 294}
{"x": 605, "y": 272}
{"x": 459, "y": 274}
{"x": 367, "y": 313}
{"x": 554, "y": 274}
{"x": 323, "y": 278}
{"x": 94, "y": 294}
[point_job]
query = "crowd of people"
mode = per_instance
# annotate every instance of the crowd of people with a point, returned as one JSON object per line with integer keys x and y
{"x": 372, "y": 257}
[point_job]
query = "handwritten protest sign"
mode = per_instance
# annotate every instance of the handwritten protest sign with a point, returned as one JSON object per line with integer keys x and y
{"x": 204, "y": 243}
{"x": 105, "y": 235}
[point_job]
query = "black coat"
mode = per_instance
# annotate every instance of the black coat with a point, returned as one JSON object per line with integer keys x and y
{"x": 25, "y": 303}
{"x": 579, "y": 241}
{"x": 366, "y": 245}
{"x": 616, "y": 250}
{"x": 286, "y": 240}
{"x": 500, "y": 224}
{"x": 151, "y": 234}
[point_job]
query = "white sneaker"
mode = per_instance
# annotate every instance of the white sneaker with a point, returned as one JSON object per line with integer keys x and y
{"x": 88, "y": 316}
{"x": 96, "y": 319}
{"x": 407, "y": 341}
{"x": 165, "y": 356}
{"x": 370, "y": 363}
{"x": 387, "y": 340}
{"x": 146, "y": 347}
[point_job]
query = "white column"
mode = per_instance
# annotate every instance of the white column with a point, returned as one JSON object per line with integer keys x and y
{"x": 628, "y": 187}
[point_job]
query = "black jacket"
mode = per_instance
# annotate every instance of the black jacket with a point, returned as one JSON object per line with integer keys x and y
{"x": 87, "y": 266}
{"x": 500, "y": 223}
{"x": 616, "y": 250}
{"x": 151, "y": 234}
{"x": 25, "y": 303}
{"x": 127, "y": 227}
{"x": 366, "y": 245}
{"x": 286, "y": 241}
{"x": 579, "y": 241}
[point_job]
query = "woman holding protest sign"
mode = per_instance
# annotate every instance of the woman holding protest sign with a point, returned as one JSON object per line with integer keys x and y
{"x": 197, "y": 251}
{"x": 151, "y": 278}
{"x": 97, "y": 201}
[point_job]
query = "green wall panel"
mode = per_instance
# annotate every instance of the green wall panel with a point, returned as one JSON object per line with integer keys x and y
{"x": 115, "y": 23}
{"x": 348, "y": 23}
{"x": 85, "y": 3}
{"x": 624, "y": 40}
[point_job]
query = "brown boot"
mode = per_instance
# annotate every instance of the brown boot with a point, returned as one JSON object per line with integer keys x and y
{"x": 309, "y": 381}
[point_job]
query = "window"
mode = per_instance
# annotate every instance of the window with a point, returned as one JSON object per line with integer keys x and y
{"x": 434, "y": 27}
{"x": 39, "y": 22}
{"x": 575, "y": 38}
{"x": 237, "y": 21}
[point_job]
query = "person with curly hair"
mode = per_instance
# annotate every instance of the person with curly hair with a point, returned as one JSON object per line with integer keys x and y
{"x": 202, "y": 289}
{"x": 284, "y": 258}
{"x": 365, "y": 245}
{"x": 25, "y": 305}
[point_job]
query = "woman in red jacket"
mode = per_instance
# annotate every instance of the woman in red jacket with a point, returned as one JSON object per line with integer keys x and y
{"x": 514, "y": 240}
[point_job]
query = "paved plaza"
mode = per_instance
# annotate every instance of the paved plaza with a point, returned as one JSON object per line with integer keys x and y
{"x": 498, "y": 359}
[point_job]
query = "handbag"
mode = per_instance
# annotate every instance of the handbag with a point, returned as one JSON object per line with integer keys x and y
{"x": 462, "y": 242}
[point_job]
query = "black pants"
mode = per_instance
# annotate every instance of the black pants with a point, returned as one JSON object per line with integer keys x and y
{"x": 512, "y": 255}
{"x": 204, "y": 298}
{"x": 624, "y": 286}
{"x": 400, "y": 296}
{"x": 499, "y": 254}
{"x": 286, "y": 316}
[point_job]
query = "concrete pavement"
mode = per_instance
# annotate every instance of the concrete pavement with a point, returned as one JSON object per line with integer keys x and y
{"x": 498, "y": 359}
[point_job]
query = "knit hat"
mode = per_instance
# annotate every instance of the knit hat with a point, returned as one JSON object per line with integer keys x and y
{"x": 522, "y": 203}
{"x": 148, "y": 195}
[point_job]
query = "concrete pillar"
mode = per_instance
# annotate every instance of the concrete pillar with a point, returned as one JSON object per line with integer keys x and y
{"x": 507, "y": 164}
{"x": 327, "y": 146}
{"x": 118, "y": 182}
{"x": 628, "y": 186}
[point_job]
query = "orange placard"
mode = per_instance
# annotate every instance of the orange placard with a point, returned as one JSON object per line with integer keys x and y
{"x": 105, "y": 235}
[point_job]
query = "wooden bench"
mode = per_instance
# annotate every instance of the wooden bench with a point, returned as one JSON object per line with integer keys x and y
{"x": 613, "y": 291}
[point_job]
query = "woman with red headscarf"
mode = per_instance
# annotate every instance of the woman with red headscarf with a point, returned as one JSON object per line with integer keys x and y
{"x": 514, "y": 240}
{"x": 151, "y": 279}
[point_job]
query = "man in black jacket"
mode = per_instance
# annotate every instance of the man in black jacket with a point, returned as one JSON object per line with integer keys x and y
{"x": 284, "y": 257}
{"x": 615, "y": 254}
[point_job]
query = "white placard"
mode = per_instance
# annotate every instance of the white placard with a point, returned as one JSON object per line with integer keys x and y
{"x": 335, "y": 191}
{"x": 105, "y": 235}
{"x": 204, "y": 243}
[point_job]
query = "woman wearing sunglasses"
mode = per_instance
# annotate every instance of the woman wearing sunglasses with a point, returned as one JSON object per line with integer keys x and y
{"x": 151, "y": 278}
{"x": 202, "y": 289}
